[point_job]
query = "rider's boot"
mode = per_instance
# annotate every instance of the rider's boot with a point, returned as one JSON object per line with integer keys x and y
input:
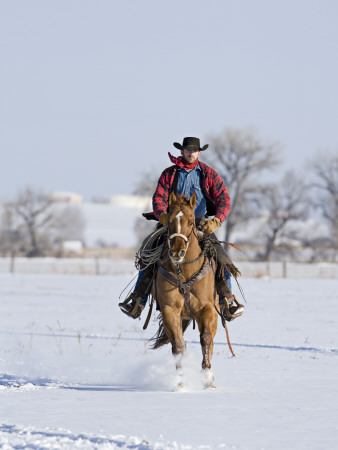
{"x": 229, "y": 305}
{"x": 134, "y": 304}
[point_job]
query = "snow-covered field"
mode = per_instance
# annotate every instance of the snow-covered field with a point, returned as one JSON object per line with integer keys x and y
{"x": 77, "y": 373}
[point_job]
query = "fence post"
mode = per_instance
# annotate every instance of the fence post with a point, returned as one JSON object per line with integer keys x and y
{"x": 97, "y": 264}
{"x": 284, "y": 270}
{"x": 12, "y": 259}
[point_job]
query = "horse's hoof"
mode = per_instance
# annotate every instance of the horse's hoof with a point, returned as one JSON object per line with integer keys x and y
{"x": 208, "y": 379}
{"x": 180, "y": 387}
{"x": 210, "y": 386}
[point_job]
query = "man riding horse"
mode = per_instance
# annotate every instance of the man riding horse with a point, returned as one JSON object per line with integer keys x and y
{"x": 188, "y": 175}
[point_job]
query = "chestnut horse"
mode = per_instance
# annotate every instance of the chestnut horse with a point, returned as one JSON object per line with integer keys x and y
{"x": 185, "y": 287}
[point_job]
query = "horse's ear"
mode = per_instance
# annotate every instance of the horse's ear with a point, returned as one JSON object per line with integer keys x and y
{"x": 172, "y": 198}
{"x": 192, "y": 200}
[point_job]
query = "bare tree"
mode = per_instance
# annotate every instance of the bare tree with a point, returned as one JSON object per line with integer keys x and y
{"x": 240, "y": 158}
{"x": 146, "y": 186}
{"x": 11, "y": 236}
{"x": 33, "y": 213}
{"x": 147, "y": 183}
{"x": 324, "y": 167}
{"x": 38, "y": 223}
{"x": 69, "y": 223}
{"x": 282, "y": 203}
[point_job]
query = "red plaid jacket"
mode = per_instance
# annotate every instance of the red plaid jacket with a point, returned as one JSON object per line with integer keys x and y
{"x": 218, "y": 200}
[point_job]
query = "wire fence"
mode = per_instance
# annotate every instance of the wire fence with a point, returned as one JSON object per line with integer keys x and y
{"x": 106, "y": 266}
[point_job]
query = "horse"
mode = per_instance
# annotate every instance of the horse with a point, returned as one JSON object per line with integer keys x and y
{"x": 185, "y": 288}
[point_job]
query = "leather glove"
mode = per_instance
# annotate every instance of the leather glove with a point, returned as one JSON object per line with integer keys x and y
{"x": 163, "y": 219}
{"x": 210, "y": 226}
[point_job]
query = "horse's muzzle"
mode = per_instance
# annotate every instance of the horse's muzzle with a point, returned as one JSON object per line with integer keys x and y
{"x": 177, "y": 257}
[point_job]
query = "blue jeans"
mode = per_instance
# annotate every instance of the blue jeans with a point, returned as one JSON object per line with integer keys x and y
{"x": 228, "y": 278}
{"x": 144, "y": 296}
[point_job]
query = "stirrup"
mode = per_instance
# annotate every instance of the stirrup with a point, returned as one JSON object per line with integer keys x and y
{"x": 134, "y": 309}
{"x": 231, "y": 312}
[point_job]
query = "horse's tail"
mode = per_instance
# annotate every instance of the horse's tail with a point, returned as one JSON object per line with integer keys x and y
{"x": 161, "y": 338}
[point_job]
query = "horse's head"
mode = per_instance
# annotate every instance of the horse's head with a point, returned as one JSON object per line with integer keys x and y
{"x": 181, "y": 222}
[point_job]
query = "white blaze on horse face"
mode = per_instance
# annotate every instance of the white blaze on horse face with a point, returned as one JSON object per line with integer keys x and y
{"x": 179, "y": 221}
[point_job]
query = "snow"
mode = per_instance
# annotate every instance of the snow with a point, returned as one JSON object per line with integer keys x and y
{"x": 76, "y": 373}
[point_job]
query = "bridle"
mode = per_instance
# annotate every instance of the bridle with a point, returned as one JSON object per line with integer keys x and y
{"x": 182, "y": 236}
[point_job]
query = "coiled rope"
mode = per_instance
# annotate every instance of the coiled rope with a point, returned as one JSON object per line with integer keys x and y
{"x": 151, "y": 249}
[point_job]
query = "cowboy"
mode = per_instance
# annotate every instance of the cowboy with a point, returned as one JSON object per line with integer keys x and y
{"x": 186, "y": 176}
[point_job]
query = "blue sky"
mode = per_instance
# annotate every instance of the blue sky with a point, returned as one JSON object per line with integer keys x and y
{"x": 94, "y": 93}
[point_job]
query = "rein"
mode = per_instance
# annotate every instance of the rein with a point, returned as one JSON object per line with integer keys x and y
{"x": 226, "y": 331}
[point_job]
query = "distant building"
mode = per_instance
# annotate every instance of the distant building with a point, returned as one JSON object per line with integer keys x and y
{"x": 103, "y": 200}
{"x": 72, "y": 248}
{"x": 131, "y": 201}
{"x": 66, "y": 197}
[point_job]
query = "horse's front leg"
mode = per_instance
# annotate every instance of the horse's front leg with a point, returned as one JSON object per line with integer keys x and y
{"x": 172, "y": 324}
{"x": 208, "y": 327}
{"x": 207, "y": 348}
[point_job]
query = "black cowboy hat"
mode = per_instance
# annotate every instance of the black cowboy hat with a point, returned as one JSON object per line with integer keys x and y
{"x": 191, "y": 143}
